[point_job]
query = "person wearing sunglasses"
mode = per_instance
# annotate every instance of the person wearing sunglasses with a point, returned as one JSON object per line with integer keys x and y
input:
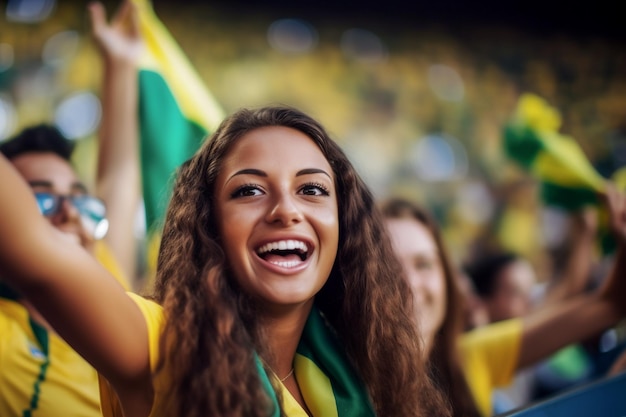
{"x": 39, "y": 373}
{"x": 42, "y": 156}
{"x": 91, "y": 210}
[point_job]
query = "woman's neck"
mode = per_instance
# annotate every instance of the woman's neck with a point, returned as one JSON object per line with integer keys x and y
{"x": 284, "y": 329}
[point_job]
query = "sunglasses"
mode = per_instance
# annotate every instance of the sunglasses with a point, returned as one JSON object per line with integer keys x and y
{"x": 92, "y": 210}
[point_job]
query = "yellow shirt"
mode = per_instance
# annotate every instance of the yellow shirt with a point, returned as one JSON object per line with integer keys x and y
{"x": 107, "y": 259}
{"x": 153, "y": 314}
{"x": 39, "y": 372}
{"x": 490, "y": 355}
{"x": 40, "y": 375}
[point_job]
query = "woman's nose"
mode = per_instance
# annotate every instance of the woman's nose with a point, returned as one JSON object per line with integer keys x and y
{"x": 284, "y": 210}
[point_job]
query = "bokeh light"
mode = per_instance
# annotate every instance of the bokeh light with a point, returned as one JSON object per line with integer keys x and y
{"x": 60, "y": 48}
{"x": 438, "y": 157}
{"x": 292, "y": 36}
{"x": 446, "y": 83}
{"x": 363, "y": 46}
{"x": 78, "y": 115}
{"x": 475, "y": 202}
{"x": 29, "y": 11}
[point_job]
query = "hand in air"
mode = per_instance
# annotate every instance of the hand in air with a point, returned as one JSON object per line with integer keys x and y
{"x": 120, "y": 39}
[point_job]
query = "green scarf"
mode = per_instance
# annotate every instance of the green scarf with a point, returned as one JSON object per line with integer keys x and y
{"x": 329, "y": 384}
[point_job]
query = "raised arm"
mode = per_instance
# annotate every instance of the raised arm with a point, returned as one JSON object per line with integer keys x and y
{"x": 118, "y": 176}
{"x": 575, "y": 276}
{"x": 558, "y": 325}
{"x": 67, "y": 285}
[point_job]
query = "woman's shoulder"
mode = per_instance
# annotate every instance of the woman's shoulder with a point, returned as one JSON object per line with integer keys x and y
{"x": 492, "y": 334}
{"x": 155, "y": 319}
{"x": 151, "y": 310}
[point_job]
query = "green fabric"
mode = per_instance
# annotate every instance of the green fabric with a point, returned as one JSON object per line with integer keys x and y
{"x": 571, "y": 362}
{"x": 566, "y": 177}
{"x": 275, "y": 412}
{"x": 42, "y": 337}
{"x": 521, "y": 144}
{"x": 321, "y": 346}
{"x": 176, "y": 111}
{"x": 167, "y": 140}
{"x": 568, "y": 198}
{"x": 531, "y": 139}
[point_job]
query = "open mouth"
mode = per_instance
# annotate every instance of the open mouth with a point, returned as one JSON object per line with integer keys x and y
{"x": 284, "y": 252}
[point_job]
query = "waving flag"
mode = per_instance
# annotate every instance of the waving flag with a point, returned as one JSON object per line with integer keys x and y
{"x": 176, "y": 111}
{"x": 568, "y": 180}
{"x": 532, "y": 140}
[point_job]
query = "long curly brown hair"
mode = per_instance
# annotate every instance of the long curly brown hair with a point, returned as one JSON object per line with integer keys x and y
{"x": 443, "y": 361}
{"x": 213, "y": 332}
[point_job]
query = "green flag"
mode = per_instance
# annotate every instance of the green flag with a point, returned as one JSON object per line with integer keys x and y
{"x": 176, "y": 112}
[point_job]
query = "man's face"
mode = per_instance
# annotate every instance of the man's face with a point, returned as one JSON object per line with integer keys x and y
{"x": 47, "y": 172}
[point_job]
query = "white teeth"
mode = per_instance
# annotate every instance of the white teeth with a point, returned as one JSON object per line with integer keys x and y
{"x": 283, "y": 245}
{"x": 290, "y": 264}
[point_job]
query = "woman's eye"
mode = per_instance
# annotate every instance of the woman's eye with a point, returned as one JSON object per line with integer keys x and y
{"x": 314, "y": 189}
{"x": 248, "y": 190}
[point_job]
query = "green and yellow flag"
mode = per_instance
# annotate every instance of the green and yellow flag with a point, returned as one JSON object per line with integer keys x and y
{"x": 176, "y": 111}
{"x": 568, "y": 179}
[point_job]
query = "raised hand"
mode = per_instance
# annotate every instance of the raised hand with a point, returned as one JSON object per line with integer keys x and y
{"x": 118, "y": 173}
{"x": 119, "y": 39}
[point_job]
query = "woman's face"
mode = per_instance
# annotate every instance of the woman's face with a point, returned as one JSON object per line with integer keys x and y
{"x": 417, "y": 251}
{"x": 277, "y": 215}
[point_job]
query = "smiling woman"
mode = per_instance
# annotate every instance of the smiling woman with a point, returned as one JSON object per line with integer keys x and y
{"x": 262, "y": 205}
{"x": 471, "y": 365}
{"x": 270, "y": 298}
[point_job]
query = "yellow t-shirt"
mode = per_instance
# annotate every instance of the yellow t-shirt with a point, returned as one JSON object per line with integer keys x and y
{"x": 107, "y": 259}
{"x": 153, "y": 314}
{"x": 490, "y": 355}
{"x": 40, "y": 375}
{"x": 39, "y": 372}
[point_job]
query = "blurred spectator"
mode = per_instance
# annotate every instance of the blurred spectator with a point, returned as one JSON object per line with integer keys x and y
{"x": 490, "y": 355}
{"x": 41, "y": 374}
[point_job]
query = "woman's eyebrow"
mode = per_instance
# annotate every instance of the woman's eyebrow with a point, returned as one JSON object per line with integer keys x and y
{"x": 309, "y": 171}
{"x": 247, "y": 171}
{"x": 260, "y": 173}
{"x": 250, "y": 171}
